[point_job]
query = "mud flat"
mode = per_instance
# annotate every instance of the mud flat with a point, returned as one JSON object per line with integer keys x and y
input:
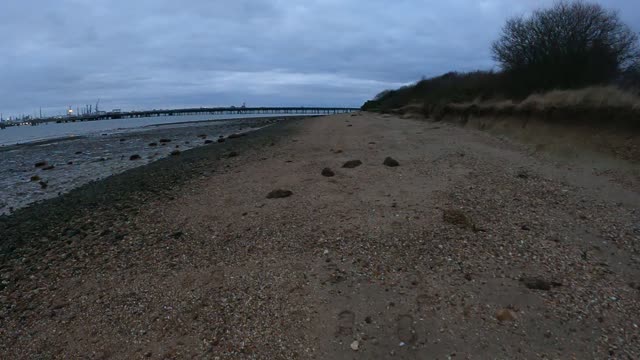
{"x": 337, "y": 237}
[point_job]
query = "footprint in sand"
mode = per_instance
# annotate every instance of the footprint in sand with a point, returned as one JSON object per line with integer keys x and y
{"x": 346, "y": 319}
{"x": 406, "y": 332}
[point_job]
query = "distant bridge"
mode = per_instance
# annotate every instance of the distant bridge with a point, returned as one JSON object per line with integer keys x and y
{"x": 200, "y": 111}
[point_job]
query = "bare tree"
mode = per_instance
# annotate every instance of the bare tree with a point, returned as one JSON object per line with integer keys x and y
{"x": 571, "y": 44}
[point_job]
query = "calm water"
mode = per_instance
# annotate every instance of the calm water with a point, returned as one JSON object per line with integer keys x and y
{"x": 84, "y": 152}
{"x": 24, "y": 134}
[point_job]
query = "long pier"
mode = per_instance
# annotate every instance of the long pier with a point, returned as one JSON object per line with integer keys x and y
{"x": 198, "y": 111}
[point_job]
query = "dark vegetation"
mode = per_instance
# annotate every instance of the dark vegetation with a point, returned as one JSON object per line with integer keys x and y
{"x": 571, "y": 45}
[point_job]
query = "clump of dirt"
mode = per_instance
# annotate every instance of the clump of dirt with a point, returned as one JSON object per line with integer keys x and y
{"x": 328, "y": 172}
{"x": 352, "y": 164}
{"x": 279, "y": 193}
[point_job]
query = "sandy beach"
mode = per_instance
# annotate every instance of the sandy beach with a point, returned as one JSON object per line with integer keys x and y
{"x": 472, "y": 247}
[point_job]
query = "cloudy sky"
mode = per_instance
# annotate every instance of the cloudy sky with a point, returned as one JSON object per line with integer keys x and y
{"x": 135, "y": 54}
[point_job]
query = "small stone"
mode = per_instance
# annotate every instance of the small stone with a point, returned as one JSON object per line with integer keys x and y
{"x": 505, "y": 315}
{"x": 278, "y": 194}
{"x": 134, "y": 157}
{"x": 232, "y": 154}
{"x": 43, "y": 184}
{"x": 235, "y": 136}
{"x": 355, "y": 345}
{"x": 177, "y": 234}
{"x": 391, "y": 162}
{"x": 78, "y": 152}
{"x": 208, "y": 141}
{"x": 163, "y": 141}
{"x": 35, "y": 178}
{"x": 175, "y": 153}
{"x": 525, "y": 227}
{"x": 328, "y": 172}
{"x": 352, "y": 164}
{"x": 221, "y": 140}
{"x": 41, "y": 164}
{"x": 153, "y": 144}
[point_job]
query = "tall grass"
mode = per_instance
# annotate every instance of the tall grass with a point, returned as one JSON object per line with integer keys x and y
{"x": 591, "y": 97}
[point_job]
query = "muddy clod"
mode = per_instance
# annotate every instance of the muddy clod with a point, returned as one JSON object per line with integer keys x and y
{"x": 352, "y": 164}
{"x": 278, "y": 194}
{"x": 391, "y": 162}
{"x": 537, "y": 283}
{"x": 328, "y": 172}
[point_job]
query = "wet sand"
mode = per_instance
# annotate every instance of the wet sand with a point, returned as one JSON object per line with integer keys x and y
{"x": 470, "y": 248}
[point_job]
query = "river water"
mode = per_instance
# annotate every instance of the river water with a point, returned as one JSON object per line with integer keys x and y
{"x": 24, "y": 134}
{"x": 77, "y": 153}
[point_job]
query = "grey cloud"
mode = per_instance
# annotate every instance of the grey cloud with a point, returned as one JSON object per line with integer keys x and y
{"x": 162, "y": 53}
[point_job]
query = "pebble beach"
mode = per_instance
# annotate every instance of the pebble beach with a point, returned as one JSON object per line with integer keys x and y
{"x": 361, "y": 236}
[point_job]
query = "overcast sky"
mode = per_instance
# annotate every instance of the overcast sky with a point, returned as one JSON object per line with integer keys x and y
{"x": 135, "y": 54}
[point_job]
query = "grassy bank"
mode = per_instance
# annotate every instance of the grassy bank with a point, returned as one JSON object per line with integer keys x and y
{"x": 479, "y": 94}
{"x": 598, "y": 107}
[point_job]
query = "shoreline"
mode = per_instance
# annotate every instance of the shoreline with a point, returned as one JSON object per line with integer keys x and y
{"x": 44, "y": 141}
{"x": 41, "y": 142}
{"x": 78, "y": 160}
{"x": 248, "y": 118}
{"x": 160, "y": 176}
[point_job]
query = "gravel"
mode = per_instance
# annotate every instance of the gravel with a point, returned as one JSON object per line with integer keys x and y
{"x": 186, "y": 258}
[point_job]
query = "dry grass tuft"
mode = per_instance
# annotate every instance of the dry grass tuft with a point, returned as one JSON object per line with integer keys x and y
{"x": 603, "y": 106}
{"x": 591, "y": 97}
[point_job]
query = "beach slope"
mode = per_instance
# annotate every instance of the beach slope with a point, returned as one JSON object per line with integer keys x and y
{"x": 460, "y": 245}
